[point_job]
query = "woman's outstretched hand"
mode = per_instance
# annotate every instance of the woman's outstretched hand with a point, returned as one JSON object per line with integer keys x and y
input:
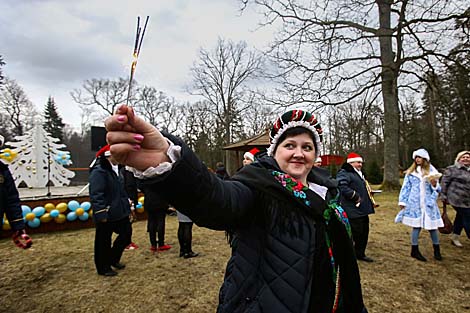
{"x": 135, "y": 142}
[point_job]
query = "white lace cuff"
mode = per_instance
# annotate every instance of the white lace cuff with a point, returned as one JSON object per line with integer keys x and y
{"x": 174, "y": 153}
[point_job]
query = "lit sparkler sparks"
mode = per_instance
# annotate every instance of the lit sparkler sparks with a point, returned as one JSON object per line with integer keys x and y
{"x": 139, "y": 37}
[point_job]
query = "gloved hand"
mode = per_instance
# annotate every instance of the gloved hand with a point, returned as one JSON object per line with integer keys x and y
{"x": 21, "y": 239}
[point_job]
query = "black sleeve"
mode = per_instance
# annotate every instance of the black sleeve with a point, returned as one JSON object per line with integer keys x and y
{"x": 13, "y": 208}
{"x": 196, "y": 192}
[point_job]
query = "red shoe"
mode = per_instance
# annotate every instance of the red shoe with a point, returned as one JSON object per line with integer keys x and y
{"x": 153, "y": 248}
{"x": 164, "y": 248}
{"x": 131, "y": 246}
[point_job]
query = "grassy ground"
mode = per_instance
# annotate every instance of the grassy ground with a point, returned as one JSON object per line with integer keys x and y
{"x": 58, "y": 274}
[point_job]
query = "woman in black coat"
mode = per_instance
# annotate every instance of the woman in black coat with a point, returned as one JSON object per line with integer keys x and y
{"x": 291, "y": 245}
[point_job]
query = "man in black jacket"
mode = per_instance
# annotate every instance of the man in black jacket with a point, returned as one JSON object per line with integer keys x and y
{"x": 357, "y": 202}
{"x": 111, "y": 211}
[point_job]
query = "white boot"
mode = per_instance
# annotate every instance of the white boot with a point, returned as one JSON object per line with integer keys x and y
{"x": 455, "y": 240}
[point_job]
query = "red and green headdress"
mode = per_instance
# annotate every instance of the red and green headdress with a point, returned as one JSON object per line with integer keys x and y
{"x": 295, "y": 118}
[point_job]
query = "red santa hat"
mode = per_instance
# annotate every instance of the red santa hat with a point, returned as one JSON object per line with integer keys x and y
{"x": 251, "y": 154}
{"x": 354, "y": 157}
{"x": 104, "y": 151}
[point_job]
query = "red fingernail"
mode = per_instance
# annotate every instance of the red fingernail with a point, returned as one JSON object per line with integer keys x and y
{"x": 138, "y": 137}
{"x": 136, "y": 147}
{"x": 121, "y": 118}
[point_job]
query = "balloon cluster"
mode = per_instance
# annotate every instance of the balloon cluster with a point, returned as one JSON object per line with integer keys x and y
{"x": 140, "y": 205}
{"x": 81, "y": 211}
{"x": 34, "y": 217}
{"x": 8, "y": 155}
{"x": 63, "y": 158}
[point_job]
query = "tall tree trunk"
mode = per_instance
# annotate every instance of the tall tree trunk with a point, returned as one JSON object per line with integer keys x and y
{"x": 390, "y": 98}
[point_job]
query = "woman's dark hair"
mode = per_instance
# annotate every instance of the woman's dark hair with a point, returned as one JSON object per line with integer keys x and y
{"x": 294, "y": 131}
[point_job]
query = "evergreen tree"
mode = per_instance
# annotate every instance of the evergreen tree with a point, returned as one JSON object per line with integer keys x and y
{"x": 53, "y": 122}
{"x": 374, "y": 173}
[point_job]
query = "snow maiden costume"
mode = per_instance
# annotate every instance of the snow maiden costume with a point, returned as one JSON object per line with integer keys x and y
{"x": 419, "y": 199}
{"x": 291, "y": 245}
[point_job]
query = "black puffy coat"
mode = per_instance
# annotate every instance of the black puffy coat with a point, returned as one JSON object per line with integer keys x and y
{"x": 353, "y": 187}
{"x": 109, "y": 199}
{"x": 279, "y": 259}
{"x": 10, "y": 199}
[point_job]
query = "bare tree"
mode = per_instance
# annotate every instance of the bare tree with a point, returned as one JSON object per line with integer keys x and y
{"x": 221, "y": 76}
{"x": 104, "y": 94}
{"x": 159, "y": 109}
{"x": 330, "y": 52}
{"x": 15, "y": 104}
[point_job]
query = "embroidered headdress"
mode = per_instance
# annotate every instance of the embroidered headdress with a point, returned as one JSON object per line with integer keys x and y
{"x": 295, "y": 118}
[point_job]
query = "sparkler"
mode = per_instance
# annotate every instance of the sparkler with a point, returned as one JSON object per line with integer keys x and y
{"x": 139, "y": 37}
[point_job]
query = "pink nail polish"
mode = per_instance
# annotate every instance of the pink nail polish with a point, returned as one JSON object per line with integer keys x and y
{"x": 121, "y": 118}
{"x": 136, "y": 147}
{"x": 138, "y": 137}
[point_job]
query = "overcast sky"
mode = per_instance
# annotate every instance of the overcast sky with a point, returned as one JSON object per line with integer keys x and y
{"x": 52, "y": 46}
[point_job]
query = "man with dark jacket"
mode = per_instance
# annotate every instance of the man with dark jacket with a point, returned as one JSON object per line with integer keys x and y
{"x": 111, "y": 211}
{"x": 357, "y": 201}
{"x": 10, "y": 204}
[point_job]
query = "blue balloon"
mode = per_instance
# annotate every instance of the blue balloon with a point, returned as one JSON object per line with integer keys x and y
{"x": 39, "y": 211}
{"x": 26, "y": 209}
{"x": 138, "y": 206}
{"x": 54, "y": 213}
{"x": 72, "y": 216}
{"x": 84, "y": 216}
{"x": 73, "y": 205}
{"x": 34, "y": 223}
{"x": 85, "y": 205}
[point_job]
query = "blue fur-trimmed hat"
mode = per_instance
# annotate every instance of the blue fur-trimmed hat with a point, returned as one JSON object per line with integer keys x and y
{"x": 295, "y": 118}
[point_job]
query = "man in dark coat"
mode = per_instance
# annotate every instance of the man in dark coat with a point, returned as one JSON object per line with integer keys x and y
{"x": 111, "y": 211}
{"x": 10, "y": 202}
{"x": 357, "y": 202}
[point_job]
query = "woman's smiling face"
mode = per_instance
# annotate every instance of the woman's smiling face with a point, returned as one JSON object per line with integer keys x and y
{"x": 295, "y": 156}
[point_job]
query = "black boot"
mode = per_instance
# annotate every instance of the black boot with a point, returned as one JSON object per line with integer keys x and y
{"x": 437, "y": 252}
{"x": 416, "y": 254}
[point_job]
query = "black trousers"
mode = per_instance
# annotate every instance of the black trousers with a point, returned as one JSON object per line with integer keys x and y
{"x": 185, "y": 237}
{"x": 105, "y": 253}
{"x": 360, "y": 234}
{"x": 156, "y": 224}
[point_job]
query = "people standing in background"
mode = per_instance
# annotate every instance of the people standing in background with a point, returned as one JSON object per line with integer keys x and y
{"x": 249, "y": 156}
{"x": 10, "y": 205}
{"x": 357, "y": 201}
{"x": 456, "y": 192}
{"x": 156, "y": 208}
{"x": 185, "y": 236}
{"x": 418, "y": 202}
{"x": 111, "y": 210}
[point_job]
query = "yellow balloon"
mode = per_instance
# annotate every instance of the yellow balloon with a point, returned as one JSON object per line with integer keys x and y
{"x": 60, "y": 219}
{"x": 90, "y": 213}
{"x": 140, "y": 210}
{"x": 6, "y": 225}
{"x": 79, "y": 211}
{"x": 141, "y": 200}
{"x": 62, "y": 207}
{"x": 49, "y": 207}
{"x": 46, "y": 217}
{"x": 30, "y": 216}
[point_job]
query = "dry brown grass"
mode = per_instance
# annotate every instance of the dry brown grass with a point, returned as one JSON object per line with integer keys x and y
{"x": 58, "y": 274}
